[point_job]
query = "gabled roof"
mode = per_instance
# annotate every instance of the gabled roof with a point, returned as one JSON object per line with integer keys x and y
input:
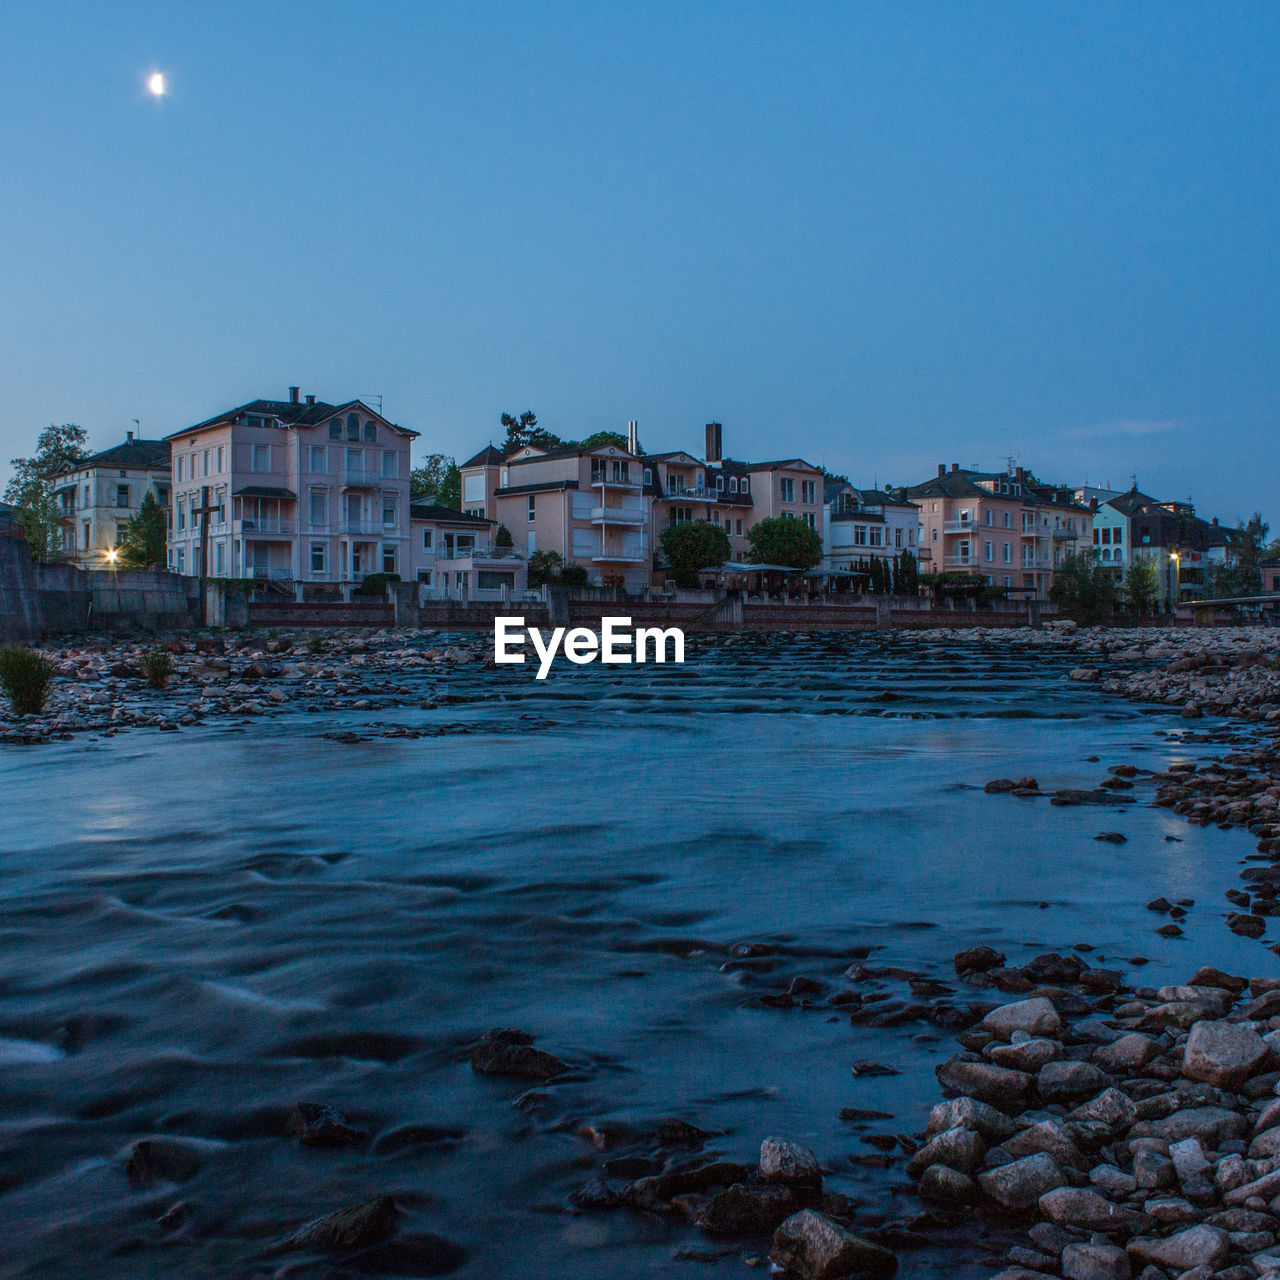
{"x": 545, "y": 486}
{"x": 780, "y": 464}
{"x": 444, "y": 515}
{"x": 954, "y": 484}
{"x": 487, "y": 457}
{"x": 1129, "y": 503}
{"x": 291, "y": 413}
{"x": 133, "y": 455}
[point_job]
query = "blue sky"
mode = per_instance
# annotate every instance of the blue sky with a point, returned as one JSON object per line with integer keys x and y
{"x": 880, "y": 236}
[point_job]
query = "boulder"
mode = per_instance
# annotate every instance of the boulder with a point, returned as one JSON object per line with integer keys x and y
{"x": 947, "y": 1186}
{"x": 999, "y": 1086}
{"x": 957, "y": 1148}
{"x": 1087, "y": 1261}
{"x": 511, "y": 1053}
{"x": 1222, "y": 1054}
{"x": 1127, "y": 1055}
{"x": 747, "y": 1211}
{"x": 1067, "y": 1081}
{"x": 1021, "y": 1183}
{"x": 812, "y": 1246}
{"x": 1086, "y": 1209}
{"x": 785, "y": 1162}
{"x": 1050, "y": 1137}
{"x": 978, "y": 960}
{"x": 361, "y": 1224}
{"x": 1037, "y": 1017}
{"x": 1110, "y": 1108}
{"x": 1199, "y": 1246}
{"x": 993, "y": 1125}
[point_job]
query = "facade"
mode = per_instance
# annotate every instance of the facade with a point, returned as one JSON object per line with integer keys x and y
{"x": 605, "y": 507}
{"x": 865, "y": 524}
{"x": 1006, "y": 526}
{"x": 453, "y": 557}
{"x": 98, "y": 497}
{"x": 301, "y": 491}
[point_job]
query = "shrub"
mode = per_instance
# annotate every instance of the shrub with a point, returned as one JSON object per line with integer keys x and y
{"x": 376, "y": 584}
{"x": 573, "y": 575}
{"x": 25, "y": 676}
{"x": 157, "y": 666}
{"x": 315, "y": 645}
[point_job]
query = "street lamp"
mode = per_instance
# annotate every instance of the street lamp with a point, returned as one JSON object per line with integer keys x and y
{"x": 1173, "y": 578}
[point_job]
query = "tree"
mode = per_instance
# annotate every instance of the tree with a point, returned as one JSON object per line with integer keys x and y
{"x": 691, "y": 546}
{"x": 1142, "y": 586}
{"x": 428, "y": 478}
{"x": 1223, "y": 581}
{"x": 787, "y": 541}
{"x": 1251, "y": 543}
{"x": 143, "y": 545}
{"x": 523, "y": 431}
{"x": 1083, "y": 589}
{"x": 450, "y": 494}
{"x": 544, "y": 567}
{"x": 30, "y": 489}
{"x": 908, "y": 577}
{"x": 502, "y": 538}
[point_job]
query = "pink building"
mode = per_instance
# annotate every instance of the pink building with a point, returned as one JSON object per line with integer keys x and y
{"x": 301, "y": 491}
{"x": 453, "y": 557}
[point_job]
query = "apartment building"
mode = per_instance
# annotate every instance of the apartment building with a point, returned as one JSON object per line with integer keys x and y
{"x": 453, "y": 556}
{"x": 299, "y": 490}
{"x": 99, "y": 496}
{"x": 865, "y": 524}
{"x": 1013, "y": 530}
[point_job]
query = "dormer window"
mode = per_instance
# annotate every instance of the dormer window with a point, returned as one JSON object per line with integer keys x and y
{"x": 335, "y": 430}
{"x": 353, "y": 427}
{"x": 733, "y": 484}
{"x": 719, "y": 484}
{"x": 370, "y": 433}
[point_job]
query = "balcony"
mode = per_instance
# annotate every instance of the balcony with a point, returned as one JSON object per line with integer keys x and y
{"x": 614, "y": 482}
{"x": 369, "y": 528}
{"x": 621, "y": 557}
{"x": 960, "y": 526}
{"x": 359, "y": 478}
{"x": 1065, "y": 534}
{"x": 268, "y": 527}
{"x": 959, "y": 562}
{"x": 618, "y": 515}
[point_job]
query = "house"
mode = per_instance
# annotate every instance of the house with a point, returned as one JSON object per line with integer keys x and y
{"x": 864, "y": 524}
{"x": 1270, "y": 571}
{"x": 1006, "y": 526}
{"x": 300, "y": 490}
{"x": 453, "y": 556}
{"x": 98, "y": 497}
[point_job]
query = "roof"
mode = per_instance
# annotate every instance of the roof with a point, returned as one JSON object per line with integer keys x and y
{"x": 444, "y": 515}
{"x": 132, "y": 455}
{"x": 263, "y": 491}
{"x": 955, "y": 484}
{"x": 1128, "y": 503}
{"x": 292, "y": 413}
{"x": 487, "y": 457}
{"x": 779, "y": 464}
{"x": 545, "y": 487}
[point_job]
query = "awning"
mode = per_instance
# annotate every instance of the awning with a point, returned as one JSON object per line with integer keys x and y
{"x": 264, "y": 491}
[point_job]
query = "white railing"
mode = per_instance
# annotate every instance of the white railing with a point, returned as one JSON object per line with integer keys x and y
{"x": 619, "y": 515}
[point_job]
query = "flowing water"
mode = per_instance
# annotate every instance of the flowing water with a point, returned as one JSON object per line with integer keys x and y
{"x": 202, "y": 929}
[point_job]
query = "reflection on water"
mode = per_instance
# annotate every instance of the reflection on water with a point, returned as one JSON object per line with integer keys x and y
{"x": 202, "y": 929}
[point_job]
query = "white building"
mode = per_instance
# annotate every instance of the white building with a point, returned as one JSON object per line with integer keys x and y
{"x": 865, "y": 524}
{"x": 453, "y": 557}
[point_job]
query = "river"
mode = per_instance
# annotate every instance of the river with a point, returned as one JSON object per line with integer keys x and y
{"x": 201, "y": 929}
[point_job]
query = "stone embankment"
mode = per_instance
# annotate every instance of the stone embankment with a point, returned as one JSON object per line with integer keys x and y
{"x": 102, "y": 688}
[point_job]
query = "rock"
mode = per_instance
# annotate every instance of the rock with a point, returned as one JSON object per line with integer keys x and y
{"x": 511, "y": 1053}
{"x": 959, "y": 1148}
{"x": 1047, "y": 1136}
{"x": 1208, "y": 976}
{"x": 1113, "y": 1180}
{"x": 1127, "y": 1055}
{"x": 1085, "y": 1208}
{"x": 1110, "y": 1108}
{"x": 316, "y": 1125}
{"x": 1095, "y": 1262}
{"x": 595, "y": 1194}
{"x": 993, "y": 1125}
{"x": 1064, "y": 1081}
{"x": 1020, "y": 1184}
{"x": 1112, "y": 837}
{"x": 1197, "y": 1246}
{"x": 785, "y": 1162}
{"x": 419, "y": 1254}
{"x": 998, "y": 1086}
{"x": 1025, "y": 1055}
{"x": 367, "y": 1223}
{"x": 1037, "y": 1017}
{"x": 1222, "y": 1053}
{"x": 1188, "y": 1158}
{"x": 1210, "y": 1124}
{"x": 947, "y": 1186}
{"x": 814, "y": 1247}
{"x": 168, "y": 1159}
{"x": 978, "y": 960}
{"x": 747, "y": 1211}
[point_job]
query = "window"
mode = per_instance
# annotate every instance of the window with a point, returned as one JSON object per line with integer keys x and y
{"x": 262, "y": 457}
{"x": 335, "y": 430}
{"x": 859, "y": 535}
{"x": 681, "y": 515}
{"x": 353, "y": 427}
{"x": 182, "y": 560}
{"x": 988, "y": 516}
{"x": 739, "y": 529}
{"x": 733, "y": 484}
{"x": 988, "y": 550}
{"x": 622, "y": 470}
{"x": 388, "y": 512}
{"x": 390, "y": 463}
{"x": 354, "y": 462}
{"x": 370, "y": 433}
{"x": 221, "y": 459}
{"x": 319, "y": 458}
{"x": 122, "y": 495}
{"x": 1097, "y": 537}
{"x": 182, "y": 515}
{"x": 719, "y": 484}
{"x": 1008, "y": 521}
{"x": 318, "y": 554}
{"x": 220, "y": 558}
{"x": 88, "y": 496}
{"x": 897, "y": 538}
{"x": 808, "y": 491}
{"x": 745, "y": 484}
{"x": 811, "y": 520}
{"x": 491, "y": 580}
{"x": 648, "y": 475}
{"x": 532, "y": 514}
{"x": 426, "y": 539}
{"x": 1117, "y": 536}
{"x": 319, "y": 508}
{"x": 388, "y": 557}
{"x": 788, "y": 490}
{"x": 877, "y": 534}
{"x": 1005, "y": 554}
{"x": 181, "y": 474}
{"x": 715, "y": 516}
{"x": 206, "y": 462}
{"x": 935, "y": 535}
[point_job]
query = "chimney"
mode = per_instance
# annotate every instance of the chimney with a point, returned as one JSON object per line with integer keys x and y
{"x": 955, "y": 466}
{"x": 129, "y": 435}
{"x": 633, "y": 436}
{"x": 293, "y": 394}
{"x": 942, "y": 470}
{"x": 714, "y": 442}
{"x": 1018, "y": 474}
{"x": 311, "y": 399}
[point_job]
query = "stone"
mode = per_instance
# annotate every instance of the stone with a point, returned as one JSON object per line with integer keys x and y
{"x": 957, "y": 1148}
{"x": 978, "y": 960}
{"x": 1170, "y": 1209}
{"x": 1210, "y": 1124}
{"x": 993, "y": 1125}
{"x": 785, "y": 1162}
{"x": 1085, "y": 1208}
{"x": 168, "y": 1159}
{"x": 1188, "y": 1158}
{"x": 1021, "y": 1183}
{"x": 1196, "y": 1247}
{"x": 947, "y": 1186}
{"x": 367, "y": 1223}
{"x": 1025, "y": 1055}
{"x": 1112, "y": 1180}
{"x": 747, "y": 1211}
{"x": 1037, "y": 1017}
{"x": 1127, "y": 1055}
{"x": 1047, "y": 1136}
{"x": 812, "y": 1246}
{"x": 1111, "y": 1108}
{"x": 317, "y": 1125}
{"x": 511, "y": 1053}
{"x": 1068, "y": 1080}
{"x": 1087, "y": 1261}
{"x": 1222, "y": 1054}
{"x": 999, "y": 1086}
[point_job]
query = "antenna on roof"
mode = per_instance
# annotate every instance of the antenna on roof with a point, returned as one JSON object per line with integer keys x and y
{"x": 375, "y": 396}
